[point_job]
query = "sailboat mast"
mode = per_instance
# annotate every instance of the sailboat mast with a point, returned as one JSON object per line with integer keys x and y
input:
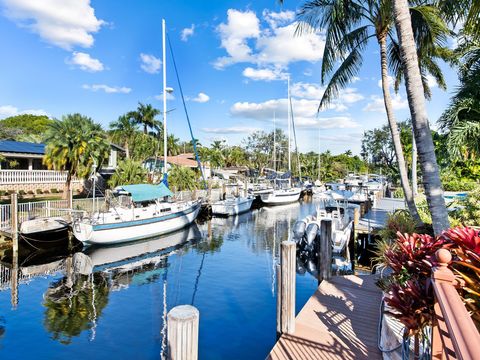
{"x": 274, "y": 144}
{"x": 288, "y": 121}
{"x": 164, "y": 99}
{"x": 319, "y": 153}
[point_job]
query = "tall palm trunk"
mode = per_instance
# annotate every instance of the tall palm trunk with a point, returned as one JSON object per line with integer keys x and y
{"x": 127, "y": 150}
{"x": 392, "y": 122}
{"x": 416, "y": 102}
{"x": 414, "y": 165}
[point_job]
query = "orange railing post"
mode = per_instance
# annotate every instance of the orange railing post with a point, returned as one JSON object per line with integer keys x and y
{"x": 454, "y": 333}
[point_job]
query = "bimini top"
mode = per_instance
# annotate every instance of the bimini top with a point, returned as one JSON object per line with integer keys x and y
{"x": 146, "y": 192}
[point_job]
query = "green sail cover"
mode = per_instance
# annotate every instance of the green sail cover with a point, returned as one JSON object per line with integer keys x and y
{"x": 146, "y": 192}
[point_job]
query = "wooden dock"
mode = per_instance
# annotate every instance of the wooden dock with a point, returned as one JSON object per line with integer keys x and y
{"x": 339, "y": 321}
{"x": 376, "y": 218}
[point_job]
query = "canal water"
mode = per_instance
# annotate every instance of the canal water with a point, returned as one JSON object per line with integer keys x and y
{"x": 111, "y": 302}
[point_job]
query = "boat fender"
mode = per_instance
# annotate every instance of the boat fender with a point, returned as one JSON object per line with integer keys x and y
{"x": 311, "y": 233}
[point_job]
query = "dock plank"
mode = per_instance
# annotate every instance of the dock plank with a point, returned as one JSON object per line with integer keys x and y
{"x": 377, "y": 216}
{"x": 339, "y": 321}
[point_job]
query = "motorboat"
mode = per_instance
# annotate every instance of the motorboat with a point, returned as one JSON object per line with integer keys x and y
{"x": 45, "y": 232}
{"x": 232, "y": 206}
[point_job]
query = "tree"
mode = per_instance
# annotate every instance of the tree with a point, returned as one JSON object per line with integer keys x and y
{"x": 75, "y": 144}
{"x": 128, "y": 172}
{"x": 182, "y": 178}
{"x": 173, "y": 147}
{"x": 349, "y": 25}
{"x": 25, "y": 127}
{"x": 416, "y": 102}
{"x": 145, "y": 116}
{"x": 123, "y": 129}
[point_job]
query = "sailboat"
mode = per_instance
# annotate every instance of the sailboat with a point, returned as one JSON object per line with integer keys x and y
{"x": 284, "y": 193}
{"x": 142, "y": 210}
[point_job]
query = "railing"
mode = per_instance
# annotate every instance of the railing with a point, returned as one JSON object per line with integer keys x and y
{"x": 31, "y": 210}
{"x": 454, "y": 333}
{"x": 32, "y": 177}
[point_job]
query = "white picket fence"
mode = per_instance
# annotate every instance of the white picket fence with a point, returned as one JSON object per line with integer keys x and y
{"x": 32, "y": 177}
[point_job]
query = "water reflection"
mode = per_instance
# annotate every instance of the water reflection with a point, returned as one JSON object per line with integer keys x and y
{"x": 75, "y": 306}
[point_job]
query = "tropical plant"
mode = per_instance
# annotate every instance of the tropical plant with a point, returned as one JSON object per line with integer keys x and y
{"x": 182, "y": 178}
{"x": 173, "y": 147}
{"x": 467, "y": 210}
{"x": 349, "y": 27}
{"x": 418, "y": 112}
{"x": 74, "y": 144}
{"x": 145, "y": 116}
{"x": 128, "y": 172}
{"x": 122, "y": 131}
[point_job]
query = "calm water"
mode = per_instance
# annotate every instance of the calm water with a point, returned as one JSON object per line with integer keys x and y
{"x": 116, "y": 308}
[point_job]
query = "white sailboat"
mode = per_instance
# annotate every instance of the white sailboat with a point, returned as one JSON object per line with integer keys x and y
{"x": 233, "y": 205}
{"x": 147, "y": 212}
{"x": 283, "y": 194}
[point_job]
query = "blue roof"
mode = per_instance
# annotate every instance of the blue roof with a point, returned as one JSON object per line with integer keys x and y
{"x": 21, "y": 147}
{"x": 146, "y": 192}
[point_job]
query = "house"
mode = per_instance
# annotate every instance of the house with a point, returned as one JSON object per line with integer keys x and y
{"x": 184, "y": 160}
{"x": 22, "y": 168}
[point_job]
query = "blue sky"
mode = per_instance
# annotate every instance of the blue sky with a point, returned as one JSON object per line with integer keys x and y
{"x": 100, "y": 58}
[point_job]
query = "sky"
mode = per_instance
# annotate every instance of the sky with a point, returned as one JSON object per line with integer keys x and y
{"x": 101, "y": 57}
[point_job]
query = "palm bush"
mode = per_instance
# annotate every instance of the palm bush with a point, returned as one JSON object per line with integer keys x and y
{"x": 128, "y": 172}
{"x": 182, "y": 178}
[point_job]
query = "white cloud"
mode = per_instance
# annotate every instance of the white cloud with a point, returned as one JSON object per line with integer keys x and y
{"x": 240, "y": 27}
{"x": 266, "y": 74}
{"x": 244, "y": 40}
{"x": 85, "y": 62}
{"x": 107, "y": 89}
{"x": 64, "y": 23}
{"x": 390, "y": 82}
{"x": 304, "y": 110}
{"x": 315, "y": 92}
{"x": 150, "y": 63}
{"x": 170, "y": 96}
{"x": 274, "y": 19}
{"x": 355, "y": 79}
{"x": 431, "y": 81}
{"x": 201, "y": 98}
{"x": 308, "y": 72}
{"x": 9, "y": 110}
{"x": 230, "y": 130}
{"x": 377, "y": 104}
{"x": 187, "y": 32}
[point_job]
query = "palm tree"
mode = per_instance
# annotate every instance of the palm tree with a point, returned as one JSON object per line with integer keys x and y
{"x": 145, "y": 115}
{"x": 75, "y": 144}
{"x": 182, "y": 178}
{"x": 173, "y": 145}
{"x": 128, "y": 172}
{"x": 350, "y": 25}
{"x": 416, "y": 101}
{"x": 123, "y": 129}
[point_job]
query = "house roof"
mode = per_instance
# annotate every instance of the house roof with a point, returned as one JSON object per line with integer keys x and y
{"x": 9, "y": 146}
{"x": 21, "y": 147}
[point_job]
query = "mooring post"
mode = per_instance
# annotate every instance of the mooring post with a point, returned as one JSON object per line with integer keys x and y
{"x": 209, "y": 192}
{"x": 224, "y": 191}
{"x": 14, "y": 220}
{"x": 279, "y": 300}
{"x": 246, "y": 188}
{"x": 182, "y": 333}
{"x": 352, "y": 242}
{"x": 14, "y": 280}
{"x": 287, "y": 287}
{"x": 194, "y": 194}
{"x": 325, "y": 254}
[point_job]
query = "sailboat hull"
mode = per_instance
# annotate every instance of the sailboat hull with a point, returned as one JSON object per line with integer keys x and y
{"x": 232, "y": 207}
{"x": 115, "y": 233}
{"x": 280, "y": 197}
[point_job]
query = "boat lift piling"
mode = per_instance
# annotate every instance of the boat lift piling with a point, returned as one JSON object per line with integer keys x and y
{"x": 325, "y": 251}
{"x": 182, "y": 332}
{"x": 286, "y": 288}
{"x": 14, "y": 221}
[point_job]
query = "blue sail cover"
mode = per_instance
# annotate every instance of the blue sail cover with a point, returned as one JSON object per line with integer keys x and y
{"x": 146, "y": 192}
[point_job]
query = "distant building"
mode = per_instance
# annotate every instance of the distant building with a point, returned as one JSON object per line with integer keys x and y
{"x": 183, "y": 160}
{"x": 22, "y": 168}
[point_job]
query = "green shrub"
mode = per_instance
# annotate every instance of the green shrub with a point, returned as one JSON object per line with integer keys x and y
{"x": 11, "y": 192}
{"x": 30, "y": 192}
{"x": 46, "y": 192}
{"x": 467, "y": 211}
{"x": 60, "y": 191}
{"x": 39, "y": 191}
{"x": 459, "y": 185}
{"x": 54, "y": 191}
{"x": 22, "y": 193}
{"x": 398, "y": 193}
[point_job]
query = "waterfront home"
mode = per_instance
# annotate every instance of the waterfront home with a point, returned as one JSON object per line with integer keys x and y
{"x": 22, "y": 168}
{"x": 184, "y": 160}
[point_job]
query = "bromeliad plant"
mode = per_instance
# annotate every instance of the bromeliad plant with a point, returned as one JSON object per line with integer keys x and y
{"x": 466, "y": 247}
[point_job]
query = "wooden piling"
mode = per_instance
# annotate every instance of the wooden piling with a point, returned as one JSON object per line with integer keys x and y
{"x": 351, "y": 244}
{"x": 14, "y": 280}
{"x": 14, "y": 221}
{"x": 278, "y": 270}
{"x": 182, "y": 323}
{"x": 224, "y": 191}
{"x": 287, "y": 288}
{"x": 209, "y": 192}
{"x": 325, "y": 251}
